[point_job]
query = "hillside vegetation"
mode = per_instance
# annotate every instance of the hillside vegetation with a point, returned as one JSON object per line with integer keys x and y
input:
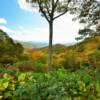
{"x": 86, "y": 52}
{"x": 75, "y": 74}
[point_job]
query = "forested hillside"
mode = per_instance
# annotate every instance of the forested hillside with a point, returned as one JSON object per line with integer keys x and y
{"x": 10, "y": 51}
{"x": 75, "y": 67}
{"x": 76, "y": 71}
{"x": 83, "y": 54}
{"x": 51, "y": 72}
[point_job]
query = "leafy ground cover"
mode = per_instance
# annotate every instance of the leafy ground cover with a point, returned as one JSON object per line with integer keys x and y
{"x": 55, "y": 85}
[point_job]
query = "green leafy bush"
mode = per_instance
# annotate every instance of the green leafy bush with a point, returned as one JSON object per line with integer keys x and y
{"x": 81, "y": 48}
{"x": 39, "y": 67}
{"x": 94, "y": 59}
{"x": 70, "y": 62}
{"x": 55, "y": 85}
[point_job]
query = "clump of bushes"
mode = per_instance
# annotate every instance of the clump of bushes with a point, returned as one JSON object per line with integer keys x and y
{"x": 24, "y": 65}
{"x": 94, "y": 59}
{"x": 55, "y": 85}
{"x": 40, "y": 67}
{"x": 71, "y": 62}
{"x": 81, "y": 48}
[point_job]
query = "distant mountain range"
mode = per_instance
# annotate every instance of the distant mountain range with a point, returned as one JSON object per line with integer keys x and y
{"x": 70, "y": 43}
{"x": 32, "y": 44}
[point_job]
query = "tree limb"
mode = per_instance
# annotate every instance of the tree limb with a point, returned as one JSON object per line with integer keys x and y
{"x": 66, "y": 9}
{"x": 56, "y": 4}
{"x": 43, "y": 12}
{"x": 47, "y": 9}
{"x": 60, "y": 14}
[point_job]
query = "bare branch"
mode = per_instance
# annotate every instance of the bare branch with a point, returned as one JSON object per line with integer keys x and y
{"x": 66, "y": 10}
{"x": 52, "y": 12}
{"x": 42, "y": 11}
{"x": 56, "y": 4}
{"x": 60, "y": 14}
{"x": 47, "y": 9}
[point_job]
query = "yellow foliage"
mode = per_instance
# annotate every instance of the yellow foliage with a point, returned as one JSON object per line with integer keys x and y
{"x": 35, "y": 54}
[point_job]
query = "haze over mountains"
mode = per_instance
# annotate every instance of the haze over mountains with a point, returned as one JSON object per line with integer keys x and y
{"x": 33, "y": 44}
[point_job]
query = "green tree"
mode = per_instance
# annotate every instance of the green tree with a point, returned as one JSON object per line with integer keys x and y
{"x": 85, "y": 33}
{"x": 51, "y": 10}
{"x": 88, "y": 12}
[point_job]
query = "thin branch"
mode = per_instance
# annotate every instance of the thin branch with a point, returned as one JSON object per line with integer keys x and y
{"x": 43, "y": 12}
{"x": 66, "y": 10}
{"x": 60, "y": 14}
{"x": 52, "y": 11}
{"x": 56, "y": 4}
{"x": 47, "y": 9}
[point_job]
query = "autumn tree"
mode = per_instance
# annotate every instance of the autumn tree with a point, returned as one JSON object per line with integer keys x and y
{"x": 51, "y": 10}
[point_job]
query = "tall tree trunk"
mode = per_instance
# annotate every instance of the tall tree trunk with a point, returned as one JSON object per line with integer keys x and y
{"x": 50, "y": 45}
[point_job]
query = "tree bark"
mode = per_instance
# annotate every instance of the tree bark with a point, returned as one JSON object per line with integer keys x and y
{"x": 50, "y": 45}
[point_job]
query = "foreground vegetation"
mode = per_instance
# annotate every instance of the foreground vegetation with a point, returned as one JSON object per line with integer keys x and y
{"x": 55, "y": 85}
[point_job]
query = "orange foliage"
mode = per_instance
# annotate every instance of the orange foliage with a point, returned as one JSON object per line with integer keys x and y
{"x": 35, "y": 54}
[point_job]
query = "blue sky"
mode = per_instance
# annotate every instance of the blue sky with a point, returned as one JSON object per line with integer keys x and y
{"x": 15, "y": 16}
{"x": 23, "y": 23}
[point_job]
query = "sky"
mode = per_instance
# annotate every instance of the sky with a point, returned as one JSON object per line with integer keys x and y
{"x": 21, "y": 22}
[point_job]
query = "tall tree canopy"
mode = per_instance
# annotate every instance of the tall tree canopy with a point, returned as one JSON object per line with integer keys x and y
{"x": 51, "y": 10}
{"x": 89, "y": 14}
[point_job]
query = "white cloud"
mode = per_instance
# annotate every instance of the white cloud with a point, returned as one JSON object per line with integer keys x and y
{"x": 26, "y": 6}
{"x": 35, "y": 34}
{"x": 3, "y": 21}
{"x": 64, "y": 31}
{"x": 4, "y": 28}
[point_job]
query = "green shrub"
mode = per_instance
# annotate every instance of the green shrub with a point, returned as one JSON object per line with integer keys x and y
{"x": 70, "y": 62}
{"x": 94, "y": 59}
{"x": 97, "y": 74}
{"x": 54, "y": 85}
{"x": 39, "y": 67}
{"x": 81, "y": 48}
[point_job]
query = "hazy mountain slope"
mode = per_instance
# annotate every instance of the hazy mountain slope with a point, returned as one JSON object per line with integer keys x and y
{"x": 83, "y": 49}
